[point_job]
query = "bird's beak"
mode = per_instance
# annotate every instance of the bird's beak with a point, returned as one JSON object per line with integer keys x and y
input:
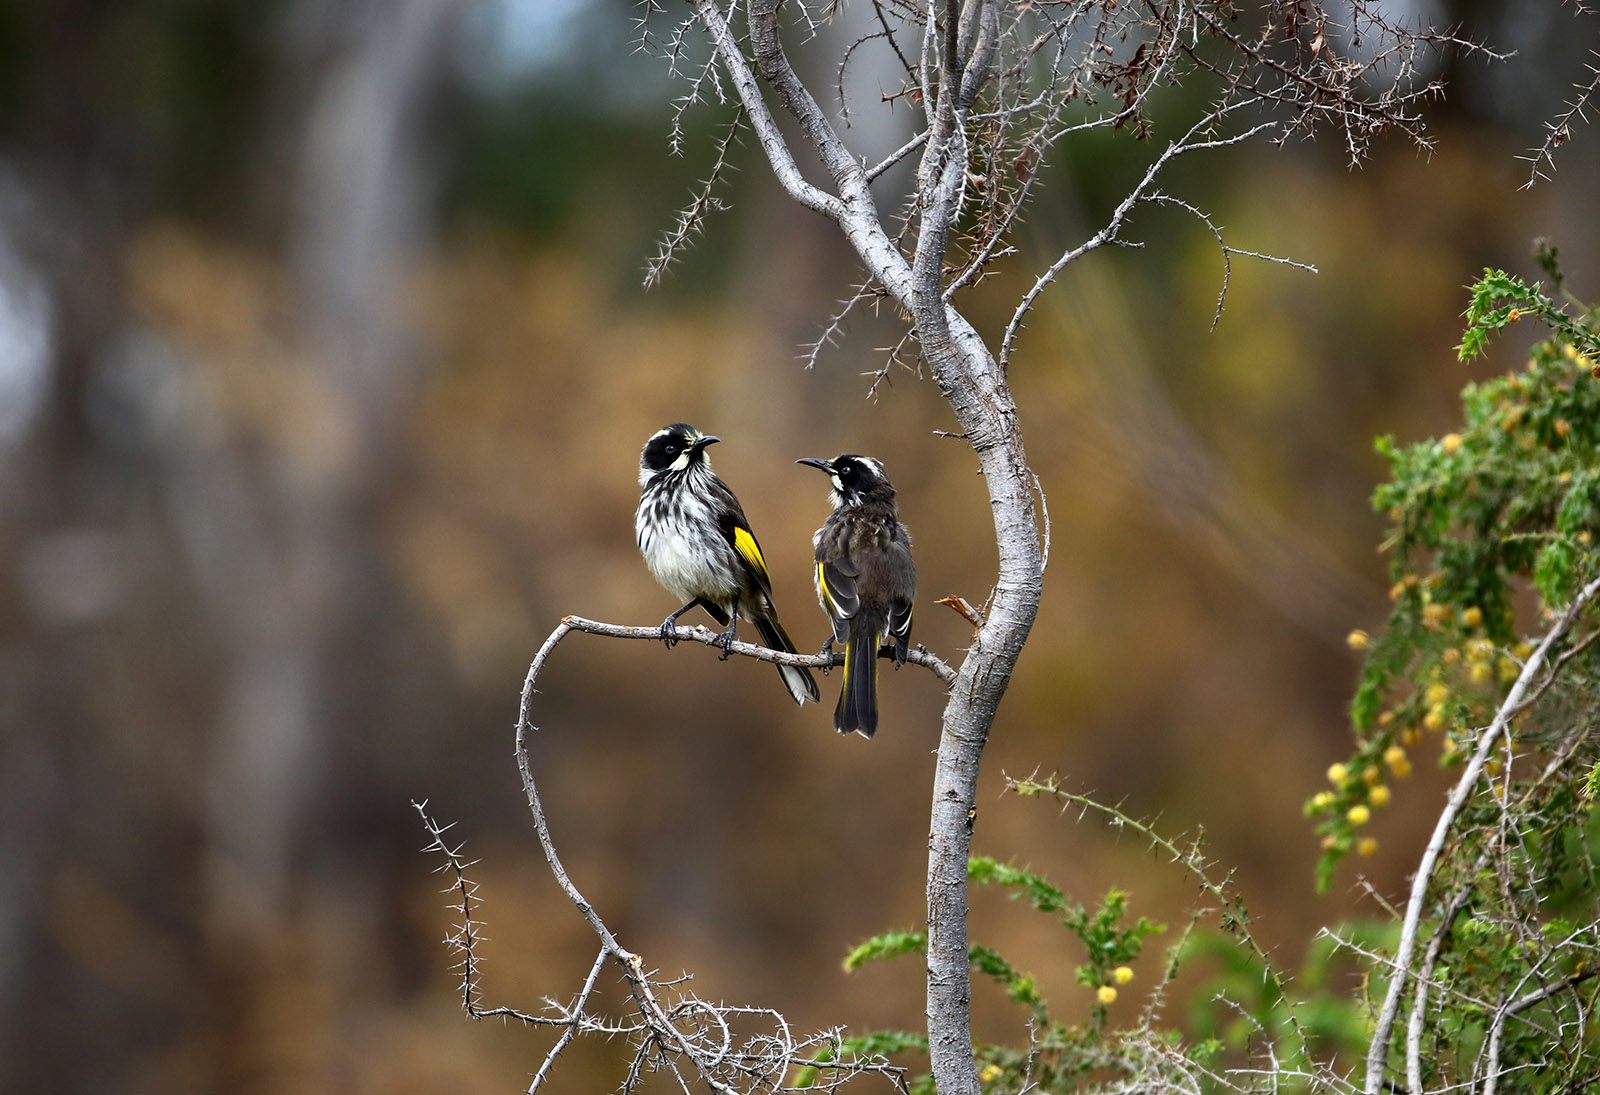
{"x": 708, "y": 439}
{"x": 815, "y": 463}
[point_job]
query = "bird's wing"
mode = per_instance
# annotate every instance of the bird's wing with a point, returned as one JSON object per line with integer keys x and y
{"x": 743, "y": 541}
{"x": 900, "y": 620}
{"x": 836, "y": 580}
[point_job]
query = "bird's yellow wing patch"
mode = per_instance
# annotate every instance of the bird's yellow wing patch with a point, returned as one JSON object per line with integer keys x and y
{"x": 749, "y": 550}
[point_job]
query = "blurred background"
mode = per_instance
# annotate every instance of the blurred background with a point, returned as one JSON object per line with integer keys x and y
{"x": 324, "y": 369}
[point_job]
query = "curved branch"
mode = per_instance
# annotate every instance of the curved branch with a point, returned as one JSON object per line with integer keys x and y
{"x": 710, "y": 1052}
{"x": 1378, "y": 1051}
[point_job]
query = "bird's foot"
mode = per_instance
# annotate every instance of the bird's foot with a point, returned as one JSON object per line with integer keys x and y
{"x": 827, "y": 652}
{"x": 725, "y": 640}
{"x": 669, "y": 631}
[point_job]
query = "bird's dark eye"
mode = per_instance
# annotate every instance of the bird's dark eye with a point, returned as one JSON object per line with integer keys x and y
{"x": 672, "y": 450}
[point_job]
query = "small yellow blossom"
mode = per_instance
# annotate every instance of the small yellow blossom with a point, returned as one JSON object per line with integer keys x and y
{"x": 1450, "y": 443}
{"x": 1106, "y": 995}
{"x": 1385, "y": 718}
{"x": 1379, "y": 795}
{"x": 1584, "y": 537}
{"x": 1330, "y": 842}
{"x": 1322, "y": 800}
{"x": 1371, "y": 775}
{"x": 1397, "y": 591}
{"x": 1522, "y": 650}
{"x": 1437, "y": 694}
{"x": 1122, "y": 974}
{"x": 1435, "y": 615}
{"x": 1507, "y": 669}
{"x": 989, "y": 1073}
{"x": 1450, "y": 656}
{"x": 1478, "y": 650}
{"x": 1337, "y": 774}
{"x": 1471, "y": 617}
{"x": 1393, "y": 755}
{"x": 1367, "y": 846}
{"x": 1561, "y": 426}
{"x": 1480, "y": 672}
{"x": 1358, "y": 815}
{"x": 1410, "y": 736}
{"x": 1358, "y": 640}
{"x": 1434, "y": 719}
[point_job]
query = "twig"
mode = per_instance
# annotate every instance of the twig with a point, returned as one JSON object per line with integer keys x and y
{"x": 704, "y": 635}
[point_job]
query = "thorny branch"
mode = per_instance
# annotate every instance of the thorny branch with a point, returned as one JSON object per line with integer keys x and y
{"x": 1377, "y": 1065}
{"x": 670, "y": 1030}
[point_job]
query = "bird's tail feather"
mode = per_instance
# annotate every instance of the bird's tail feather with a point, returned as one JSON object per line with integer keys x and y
{"x": 858, "y": 697}
{"x": 796, "y": 678}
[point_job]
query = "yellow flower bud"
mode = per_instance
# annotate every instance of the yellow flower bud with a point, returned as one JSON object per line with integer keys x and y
{"x": 1337, "y": 774}
{"x": 1379, "y": 795}
{"x": 1471, "y": 617}
{"x": 1122, "y": 974}
{"x": 989, "y": 1073}
{"x": 1437, "y": 694}
{"x": 1358, "y": 815}
{"x": 1451, "y": 656}
{"x": 1507, "y": 669}
{"x": 1401, "y": 769}
{"x": 1106, "y": 995}
{"x": 1434, "y": 719}
{"x": 1450, "y": 443}
{"x": 1367, "y": 846}
{"x": 1322, "y": 800}
{"x": 1522, "y": 650}
{"x": 1393, "y": 755}
{"x": 1358, "y": 640}
{"x": 1480, "y": 672}
{"x": 1410, "y": 736}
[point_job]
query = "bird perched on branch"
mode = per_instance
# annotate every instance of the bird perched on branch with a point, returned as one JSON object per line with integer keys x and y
{"x": 866, "y": 582}
{"x": 697, "y": 543}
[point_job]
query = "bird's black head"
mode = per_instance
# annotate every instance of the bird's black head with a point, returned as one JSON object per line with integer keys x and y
{"x": 856, "y": 479}
{"x": 673, "y": 449}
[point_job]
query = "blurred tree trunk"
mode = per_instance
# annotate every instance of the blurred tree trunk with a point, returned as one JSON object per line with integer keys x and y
{"x": 361, "y": 184}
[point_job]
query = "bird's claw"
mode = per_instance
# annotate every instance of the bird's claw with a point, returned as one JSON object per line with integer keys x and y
{"x": 669, "y": 631}
{"x": 725, "y": 640}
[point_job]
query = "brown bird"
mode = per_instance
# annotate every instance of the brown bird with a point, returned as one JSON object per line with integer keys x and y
{"x": 866, "y": 582}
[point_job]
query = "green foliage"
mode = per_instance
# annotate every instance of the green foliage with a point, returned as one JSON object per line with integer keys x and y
{"x": 1509, "y": 504}
{"x": 1492, "y": 535}
{"x": 1059, "y": 1053}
